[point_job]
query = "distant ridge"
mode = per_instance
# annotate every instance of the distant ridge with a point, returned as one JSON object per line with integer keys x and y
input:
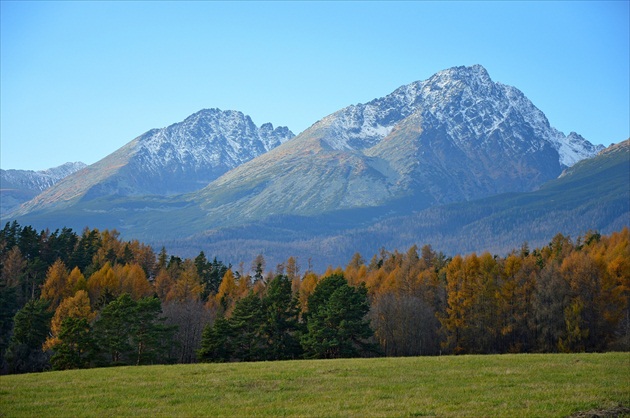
{"x": 594, "y": 194}
{"x": 19, "y": 186}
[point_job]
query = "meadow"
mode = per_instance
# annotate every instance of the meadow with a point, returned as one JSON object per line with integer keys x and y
{"x": 525, "y": 385}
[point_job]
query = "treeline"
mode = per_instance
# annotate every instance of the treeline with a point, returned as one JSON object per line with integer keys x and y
{"x": 82, "y": 300}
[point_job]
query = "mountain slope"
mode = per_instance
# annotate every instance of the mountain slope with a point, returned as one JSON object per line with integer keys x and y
{"x": 594, "y": 194}
{"x": 19, "y": 186}
{"x": 177, "y": 159}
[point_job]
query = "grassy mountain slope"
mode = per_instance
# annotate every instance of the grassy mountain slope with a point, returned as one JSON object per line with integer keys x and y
{"x": 304, "y": 176}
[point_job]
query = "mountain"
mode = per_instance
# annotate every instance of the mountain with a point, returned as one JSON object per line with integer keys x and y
{"x": 455, "y": 137}
{"x": 19, "y": 186}
{"x": 177, "y": 159}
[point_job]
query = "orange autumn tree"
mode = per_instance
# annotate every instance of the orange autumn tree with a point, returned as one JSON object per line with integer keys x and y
{"x": 514, "y": 303}
{"x": 76, "y": 281}
{"x": 77, "y": 306}
{"x": 469, "y": 317}
{"x": 187, "y": 286}
{"x": 227, "y": 294}
{"x": 133, "y": 280}
{"x": 56, "y": 286}
{"x": 103, "y": 286}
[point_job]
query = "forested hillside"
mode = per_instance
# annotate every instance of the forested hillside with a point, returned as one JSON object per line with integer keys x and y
{"x": 70, "y": 300}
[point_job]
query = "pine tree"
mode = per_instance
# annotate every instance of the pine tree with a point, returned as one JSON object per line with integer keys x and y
{"x": 113, "y": 329}
{"x": 149, "y": 336}
{"x": 132, "y": 332}
{"x": 246, "y": 322}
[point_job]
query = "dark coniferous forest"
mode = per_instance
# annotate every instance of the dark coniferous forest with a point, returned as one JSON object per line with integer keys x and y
{"x": 91, "y": 299}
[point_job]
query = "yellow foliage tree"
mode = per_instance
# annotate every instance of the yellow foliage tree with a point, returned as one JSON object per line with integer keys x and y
{"x": 76, "y": 281}
{"x": 163, "y": 283}
{"x": 56, "y": 287}
{"x": 133, "y": 281}
{"x": 244, "y": 284}
{"x": 356, "y": 270}
{"x": 307, "y": 287}
{"x": 226, "y": 296}
{"x": 187, "y": 286}
{"x": 110, "y": 249}
{"x": 77, "y": 306}
{"x": 103, "y": 284}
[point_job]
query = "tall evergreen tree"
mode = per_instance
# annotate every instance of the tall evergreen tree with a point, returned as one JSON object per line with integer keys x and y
{"x": 76, "y": 348}
{"x": 113, "y": 329}
{"x": 336, "y": 324}
{"x": 280, "y": 327}
{"x": 246, "y": 322}
{"x": 216, "y": 341}
{"x": 150, "y": 337}
{"x": 132, "y": 332}
{"x": 31, "y": 327}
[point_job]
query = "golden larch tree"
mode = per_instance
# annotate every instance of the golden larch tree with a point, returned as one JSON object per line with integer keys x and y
{"x": 77, "y": 306}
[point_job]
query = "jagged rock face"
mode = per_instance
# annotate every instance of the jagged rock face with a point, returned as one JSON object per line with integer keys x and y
{"x": 468, "y": 107}
{"x": 187, "y": 156}
{"x": 456, "y": 136}
{"x": 19, "y": 186}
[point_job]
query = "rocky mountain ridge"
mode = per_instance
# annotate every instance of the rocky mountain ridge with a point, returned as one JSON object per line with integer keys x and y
{"x": 458, "y": 98}
{"x": 38, "y": 180}
{"x": 209, "y": 140}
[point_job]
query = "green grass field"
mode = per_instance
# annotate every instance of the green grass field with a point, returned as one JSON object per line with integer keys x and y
{"x": 529, "y": 385}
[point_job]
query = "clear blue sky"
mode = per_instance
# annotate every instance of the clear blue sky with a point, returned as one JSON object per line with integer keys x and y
{"x": 81, "y": 79}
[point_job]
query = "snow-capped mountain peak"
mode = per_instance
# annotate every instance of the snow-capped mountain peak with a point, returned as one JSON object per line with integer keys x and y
{"x": 180, "y": 158}
{"x": 469, "y": 106}
{"x": 210, "y": 138}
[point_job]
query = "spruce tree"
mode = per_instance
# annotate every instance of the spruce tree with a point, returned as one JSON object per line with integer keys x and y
{"x": 336, "y": 324}
{"x": 31, "y": 327}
